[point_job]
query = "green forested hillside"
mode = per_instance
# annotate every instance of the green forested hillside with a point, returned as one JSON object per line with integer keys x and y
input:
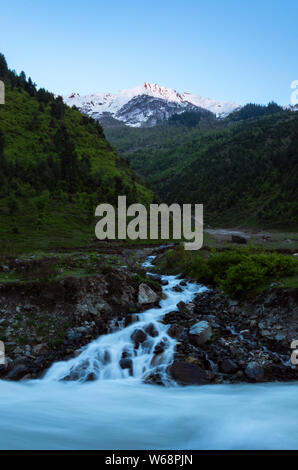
{"x": 244, "y": 169}
{"x": 55, "y": 168}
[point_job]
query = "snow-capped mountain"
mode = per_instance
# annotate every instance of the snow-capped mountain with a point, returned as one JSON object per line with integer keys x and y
{"x": 291, "y": 107}
{"x": 146, "y": 105}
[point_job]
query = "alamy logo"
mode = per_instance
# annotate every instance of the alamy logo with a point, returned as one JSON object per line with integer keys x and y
{"x": 161, "y": 218}
{"x": 294, "y": 94}
{"x": 294, "y": 355}
{"x": 2, "y": 353}
{"x": 2, "y": 92}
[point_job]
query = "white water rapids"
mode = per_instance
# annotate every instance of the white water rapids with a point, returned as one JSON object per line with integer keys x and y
{"x": 118, "y": 411}
{"x": 101, "y": 358}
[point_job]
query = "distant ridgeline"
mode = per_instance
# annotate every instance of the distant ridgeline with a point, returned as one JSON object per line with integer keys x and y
{"x": 243, "y": 168}
{"x": 56, "y": 166}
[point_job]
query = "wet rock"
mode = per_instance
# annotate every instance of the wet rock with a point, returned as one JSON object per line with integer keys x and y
{"x": 279, "y": 337}
{"x": 151, "y": 330}
{"x": 126, "y": 363}
{"x": 280, "y": 372}
{"x": 17, "y": 372}
{"x": 200, "y": 333}
{"x": 91, "y": 377}
{"x": 175, "y": 331}
{"x": 254, "y": 371}
{"x": 18, "y": 350}
{"x": 27, "y": 377}
{"x": 177, "y": 289}
{"x": 181, "y": 306}
{"x": 195, "y": 360}
{"x": 171, "y": 318}
{"x": 239, "y": 374}
{"x": 157, "y": 360}
{"x": 228, "y": 366}
{"x": 76, "y": 333}
{"x": 245, "y": 334}
{"x": 155, "y": 277}
{"x": 91, "y": 309}
{"x": 130, "y": 318}
{"x": 185, "y": 373}
{"x": 8, "y": 363}
{"x": 40, "y": 349}
{"x": 147, "y": 295}
{"x": 138, "y": 337}
{"x": 161, "y": 346}
{"x": 265, "y": 333}
{"x": 153, "y": 378}
{"x": 125, "y": 353}
{"x": 238, "y": 239}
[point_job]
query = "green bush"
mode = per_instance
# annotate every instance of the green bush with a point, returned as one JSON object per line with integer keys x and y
{"x": 276, "y": 265}
{"x": 174, "y": 261}
{"x": 243, "y": 277}
{"x": 201, "y": 270}
{"x": 240, "y": 272}
{"x": 237, "y": 271}
{"x": 219, "y": 263}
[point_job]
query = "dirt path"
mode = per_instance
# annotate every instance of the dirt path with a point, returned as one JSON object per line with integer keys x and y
{"x": 226, "y": 233}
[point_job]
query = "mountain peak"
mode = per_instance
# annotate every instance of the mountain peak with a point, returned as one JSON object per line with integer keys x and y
{"x": 158, "y": 103}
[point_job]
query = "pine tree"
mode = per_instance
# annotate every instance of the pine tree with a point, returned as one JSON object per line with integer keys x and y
{"x": 3, "y": 68}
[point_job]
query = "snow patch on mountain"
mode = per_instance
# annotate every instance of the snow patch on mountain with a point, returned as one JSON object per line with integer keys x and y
{"x": 145, "y": 105}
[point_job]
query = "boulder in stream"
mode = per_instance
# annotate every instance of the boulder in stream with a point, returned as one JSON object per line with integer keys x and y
{"x": 151, "y": 330}
{"x": 138, "y": 337}
{"x": 147, "y": 295}
{"x": 254, "y": 371}
{"x": 185, "y": 373}
{"x": 200, "y": 332}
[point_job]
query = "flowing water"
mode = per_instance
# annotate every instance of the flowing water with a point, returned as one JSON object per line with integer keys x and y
{"x": 117, "y": 410}
{"x": 101, "y": 358}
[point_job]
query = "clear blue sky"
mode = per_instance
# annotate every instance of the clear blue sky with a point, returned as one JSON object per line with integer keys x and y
{"x": 233, "y": 50}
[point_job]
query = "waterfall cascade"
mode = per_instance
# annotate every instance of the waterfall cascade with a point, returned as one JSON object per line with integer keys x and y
{"x": 137, "y": 350}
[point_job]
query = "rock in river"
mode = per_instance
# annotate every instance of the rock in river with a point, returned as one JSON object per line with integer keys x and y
{"x": 189, "y": 374}
{"x": 254, "y": 371}
{"x": 138, "y": 337}
{"x": 146, "y": 295}
{"x": 200, "y": 332}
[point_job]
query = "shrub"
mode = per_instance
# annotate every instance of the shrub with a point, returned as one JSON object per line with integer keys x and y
{"x": 238, "y": 272}
{"x": 200, "y": 269}
{"x": 276, "y": 265}
{"x": 243, "y": 277}
{"x": 253, "y": 271}
{"x": 219, "y": 263}
{"x": 174, "y": 260}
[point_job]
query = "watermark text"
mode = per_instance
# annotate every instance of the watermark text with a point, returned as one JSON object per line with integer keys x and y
{"x": 162, "y": 222}
{"x": 2, "y": 92}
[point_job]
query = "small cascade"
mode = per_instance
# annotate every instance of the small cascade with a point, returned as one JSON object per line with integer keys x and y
{"x": 136, "y": 351}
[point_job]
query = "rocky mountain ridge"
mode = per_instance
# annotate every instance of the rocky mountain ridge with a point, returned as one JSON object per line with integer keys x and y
{"x": 146, "y": 105}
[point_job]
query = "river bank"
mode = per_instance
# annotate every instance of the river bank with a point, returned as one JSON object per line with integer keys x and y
{"x": 209, "y": 338}
{"x": 105, "y": 393}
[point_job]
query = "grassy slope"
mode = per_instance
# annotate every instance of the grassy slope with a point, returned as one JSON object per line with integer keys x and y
{"x": 58, "y": 220}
